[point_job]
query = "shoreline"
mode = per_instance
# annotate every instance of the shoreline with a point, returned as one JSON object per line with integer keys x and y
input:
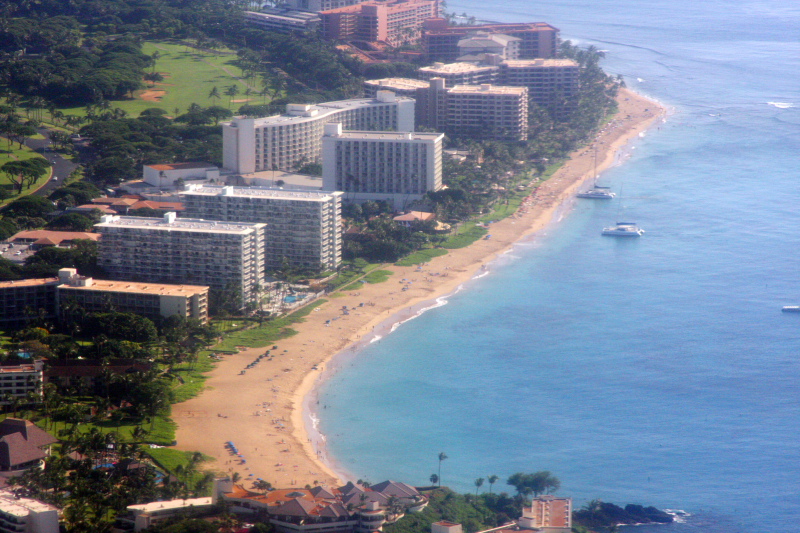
{"x": 268, "y": 412}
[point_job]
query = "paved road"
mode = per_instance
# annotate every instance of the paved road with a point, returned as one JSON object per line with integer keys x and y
{"x": 61, "y": 167}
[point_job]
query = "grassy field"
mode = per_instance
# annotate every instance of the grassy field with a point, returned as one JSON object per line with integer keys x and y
{"x": 268, "y": 333}
{"x": 421, "y": 256}
{"x": 189, "y": 76}
{"x": 377, "y": 276}
{"x": 15, "y": 153}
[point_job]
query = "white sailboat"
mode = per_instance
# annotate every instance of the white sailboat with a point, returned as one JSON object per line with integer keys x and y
{"x": 623, "y": 229}
{"x": 596, "y": 192}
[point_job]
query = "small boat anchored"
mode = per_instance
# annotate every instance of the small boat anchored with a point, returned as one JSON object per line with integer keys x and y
{"x": 791, "y": 309}
{"x": 624, "y": 229}
{"x": 597, "y": 193}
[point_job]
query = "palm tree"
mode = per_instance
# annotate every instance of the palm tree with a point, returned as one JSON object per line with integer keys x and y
{"x": 434, "y": 479}
{"x": 492, "y": 480}
{"x": 231, "y": 92}
{"x": 442, "y": 457}
{"x": 214, "y": 94}
{"x": 478, "y": 485}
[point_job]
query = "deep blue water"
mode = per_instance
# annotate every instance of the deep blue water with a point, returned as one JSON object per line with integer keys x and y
{"x": 659, "y": 370}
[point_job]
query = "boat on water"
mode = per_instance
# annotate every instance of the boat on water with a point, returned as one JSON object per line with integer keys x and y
{"x": 791, "y": 309}
{"x": 623, "y": 229}
{"x": 597, "y": 193}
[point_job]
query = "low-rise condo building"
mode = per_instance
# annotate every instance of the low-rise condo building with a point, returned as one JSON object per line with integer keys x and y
{"x": 282, "y": 20}
{"x": 303, "y": 228}
{"x": 19, "y": 380}
{"x": 284, "y": 142}
{"x": 391, "y": 21}
{"x": 394, "y": 166}
{"x": 226, "y": 256}
{"x": 440, "y": 41}
{"x": 150, "y": 300}
{"x": 25, "y": 300}
{"x": 24, "y": 515}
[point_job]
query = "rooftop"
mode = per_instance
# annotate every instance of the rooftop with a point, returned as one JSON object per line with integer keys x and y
{"x": 389, "y": 136}
{"x": 456, "y": 68}
{"x": 21, "y": 507}
{"x": 316, "y": 111}
{"x": 55, "y": 236}
{"x": 487, "y": 89}
{"x": 260, "y": 192}
{"x": 180, "y": 166}
{"x": 407, "y": 84}
{"x": 138, "y": 288}
{"x": 543, "y": 63}
{"x": 27, "y": 282}
{"x": 177, "y": 224}
{"x": 171, "y": 504}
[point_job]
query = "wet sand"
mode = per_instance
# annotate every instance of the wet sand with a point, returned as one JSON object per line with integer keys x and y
{"x": 262, "y": 410}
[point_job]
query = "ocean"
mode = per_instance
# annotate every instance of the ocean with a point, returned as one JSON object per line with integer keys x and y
{"x": 658, "y": 370}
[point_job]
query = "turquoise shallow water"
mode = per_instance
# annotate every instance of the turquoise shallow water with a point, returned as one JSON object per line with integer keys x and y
{"x": 659, "y": 370}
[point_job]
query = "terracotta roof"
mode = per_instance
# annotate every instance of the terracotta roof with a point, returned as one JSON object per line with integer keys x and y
{"x": 296, "y": 507}
{"x": 102, "y": 208}
{"x": 166, "y": 206}
{"x": 45, "y": 241}
{"x": 21, "y": 442}
{"x": 56, "y": 236}
{"x": 115, "y": 201}
{"x": 415, "y": 215}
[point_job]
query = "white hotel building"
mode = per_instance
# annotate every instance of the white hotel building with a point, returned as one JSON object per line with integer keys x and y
{"x": 24, "y": 515}
{"x": 399, "y": 167}
{"x": 222, "y": 255}
{"x": 302, "y": 227}
{"x": 284, "y": 142}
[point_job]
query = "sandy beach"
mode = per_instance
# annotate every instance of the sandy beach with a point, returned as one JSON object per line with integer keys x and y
{"x": 262, "y": 410}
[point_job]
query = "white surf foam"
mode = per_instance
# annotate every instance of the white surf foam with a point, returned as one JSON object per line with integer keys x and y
{"x": 440, "y": 301}
{"x": 781, "y": 105}
{"x": 376, "y": 338}
{"x": 481, "y": 275}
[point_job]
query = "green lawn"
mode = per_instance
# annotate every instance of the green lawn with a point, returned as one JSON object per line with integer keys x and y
{"x": 421, "y": 256}
{"x": 15, "y": 153}
{"x": 268, "y": 333}
{"x": 378, "y": 276}
{"x": 189, "y": 76}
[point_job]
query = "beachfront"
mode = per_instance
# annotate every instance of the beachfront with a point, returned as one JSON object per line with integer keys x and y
{"x": 262, "y": 410}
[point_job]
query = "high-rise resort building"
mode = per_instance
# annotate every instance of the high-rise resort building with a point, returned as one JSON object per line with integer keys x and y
{"x": 546, "y": 79}
{"x": 482, "y": 111}
{"x": 284, "y": 142}
{"x": 440, "y": 41}
{"x": 302, "y": 227}
{"x": 319, "y": 5}
{"x": 485, "y": 111}
{"x": 379, "y": 165}
{"x": 390, "y": 21}
{"x": 226, "y": 256}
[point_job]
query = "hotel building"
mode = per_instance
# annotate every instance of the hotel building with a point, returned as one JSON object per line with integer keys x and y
{"x": 23, "y": 300}
{"x": 366, "y": 165}
{"x": 485, "y": 111}
{"x": 319, "y": 5}
{"x": 150, "y": 300}
{"x": 482, "y": 111}
{"x": 26, "y": 515}
{"x": 302, "y": 227}
{"x": 546, "y": 79}
{"x": 222, "y": 255}
{"x": 282, "y": 20}
{"x": 283, "y": 142}
{"x": 46, "y": 295}
{"x": 391, "y": 21}
{"x": 19, "y": 380}
{"x": 440, "y": 41}
{"x": 548, "y": 514}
